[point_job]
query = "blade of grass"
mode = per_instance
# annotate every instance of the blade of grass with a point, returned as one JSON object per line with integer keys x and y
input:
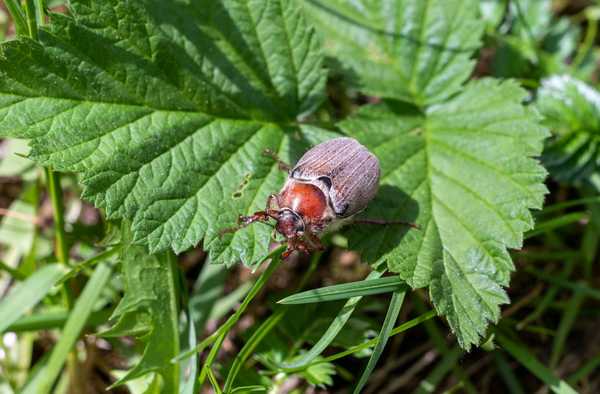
{"x": 507, "y": 374}
{"x": 442, "y": 368}
{"x": 357, "y": 348}
{"x": 442, "y": 347}
{"x": 386, "y": 329}
{"x": 264, "y": 329}
{"x": 54, "y": 319}
{"x": 526, "y": 359}
{"x": 564, "y": 328}
{"x": 71, "y": 331}
{"x": 334, "y": 328}
{"x": 548, "y": 298}
{"x": 224, "y": 329}
{"x": 18, "y": 16}
{"x": 347, "y": 290}
{"x": 256, "y": 287}
{"x": 575, "y": 286}
{"x": 555, "y": 223}
{"x": 27, "y": 294}
{"x": 11, "y": 271}
{"x": 585, "y": 370}
{"x": 571, "y": 203}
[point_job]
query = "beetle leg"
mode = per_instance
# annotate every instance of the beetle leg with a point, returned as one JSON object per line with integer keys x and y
{"x": 295, "y": 244}
{"x": 316, "y": 242}
{"x": 385, "y": 222}
{"x": 243, "y": 221}
{"x": 283, "y": 166}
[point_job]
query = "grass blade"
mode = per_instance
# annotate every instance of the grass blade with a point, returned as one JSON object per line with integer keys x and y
{"x": 527, "y": 360}
{"x": 384, "y": 335}
{"x": 334, "y": 328}
{"x": 77, "y": 319}
{"x": 553, "y": 224}
{"x": 27, "y": 294}
{"x": 54, "y": 319}
{"x": 347, "y": 290}
{"x": 507, "y": 374}
{"x": 566, "y": 323}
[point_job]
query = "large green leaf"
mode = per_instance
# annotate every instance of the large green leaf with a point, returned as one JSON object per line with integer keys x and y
{"x": 165, "y": 108}
{"x": 572, "y": 110}
{"x": 414, "y": 50}
{"x": 464, "y": 172}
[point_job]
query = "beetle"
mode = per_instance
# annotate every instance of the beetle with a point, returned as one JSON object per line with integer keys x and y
{"x": 332, "y": 182}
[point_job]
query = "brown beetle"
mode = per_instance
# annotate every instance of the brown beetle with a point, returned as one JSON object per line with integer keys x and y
{"x": 332, "y": 182}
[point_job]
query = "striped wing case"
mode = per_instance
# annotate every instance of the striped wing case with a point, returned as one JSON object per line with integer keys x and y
{"x": 349, "y": 170}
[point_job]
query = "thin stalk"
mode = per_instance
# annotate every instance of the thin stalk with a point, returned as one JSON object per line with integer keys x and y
{"x": 30, "y": 14}
{"x": 40, "y": 10}
{"x": 55, "y": 192}
{"x": 264, "y": 329}
{"x": 221, "y": 333}
{"x": 370, "y": 343}
{"x": 588, "y": 42}
{"x": 18, "y": 16}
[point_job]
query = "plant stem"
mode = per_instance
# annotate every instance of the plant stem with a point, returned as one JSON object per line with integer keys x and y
{"x": 588, "y": 42}
{"x": 31, "y": 19}
{"x": 58, "y": 209}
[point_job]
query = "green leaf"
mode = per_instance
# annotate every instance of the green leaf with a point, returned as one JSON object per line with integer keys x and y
{"x": 413, "y": 50}
{"x": 149, "y": 311}
{"x": 572, "y": 111}
{"x": 346, "y": 290}
{"x": 27, "y": 294}
{"x": 464, "y": 172}
{"x": 165, "y": 108}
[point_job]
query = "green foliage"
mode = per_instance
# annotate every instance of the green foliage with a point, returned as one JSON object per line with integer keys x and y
{"x": 572, "y": 110}
{"x": 165, "y": 109}
{"x": 416, "y": 51}
{"x": 150, "y": 311}
{"x": 162, "y": 110}
{"x": 470, "y": 199}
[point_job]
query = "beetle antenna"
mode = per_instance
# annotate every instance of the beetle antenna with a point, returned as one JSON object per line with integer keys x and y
{"x": 283, "y": 166}
{"x": 382, "y": 222}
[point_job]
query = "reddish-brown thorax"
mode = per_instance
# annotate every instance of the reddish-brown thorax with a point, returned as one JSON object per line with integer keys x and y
{"x": 305, "y": 199}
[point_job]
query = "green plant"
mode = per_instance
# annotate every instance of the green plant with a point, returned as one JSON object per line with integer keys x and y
{"x": 162, "y": 111}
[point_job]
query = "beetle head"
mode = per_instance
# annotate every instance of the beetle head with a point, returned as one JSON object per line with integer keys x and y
{"x": 289, "y": 223}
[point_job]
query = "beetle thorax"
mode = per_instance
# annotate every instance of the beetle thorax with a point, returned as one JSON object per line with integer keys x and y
{"x": 307, "y": 201}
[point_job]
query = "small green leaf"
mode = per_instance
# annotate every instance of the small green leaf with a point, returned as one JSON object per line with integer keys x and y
{"x": 464, "y": 172}
{"x": 413, "y": 50}
{"x": 27, "y": 294}
{"x": 346, "y": 290}
{"x": 572, "y": 111}
{"x": 165, "y": 109}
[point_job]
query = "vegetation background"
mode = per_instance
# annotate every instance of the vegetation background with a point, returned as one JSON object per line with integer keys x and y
{"x": 110, "y": 222}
